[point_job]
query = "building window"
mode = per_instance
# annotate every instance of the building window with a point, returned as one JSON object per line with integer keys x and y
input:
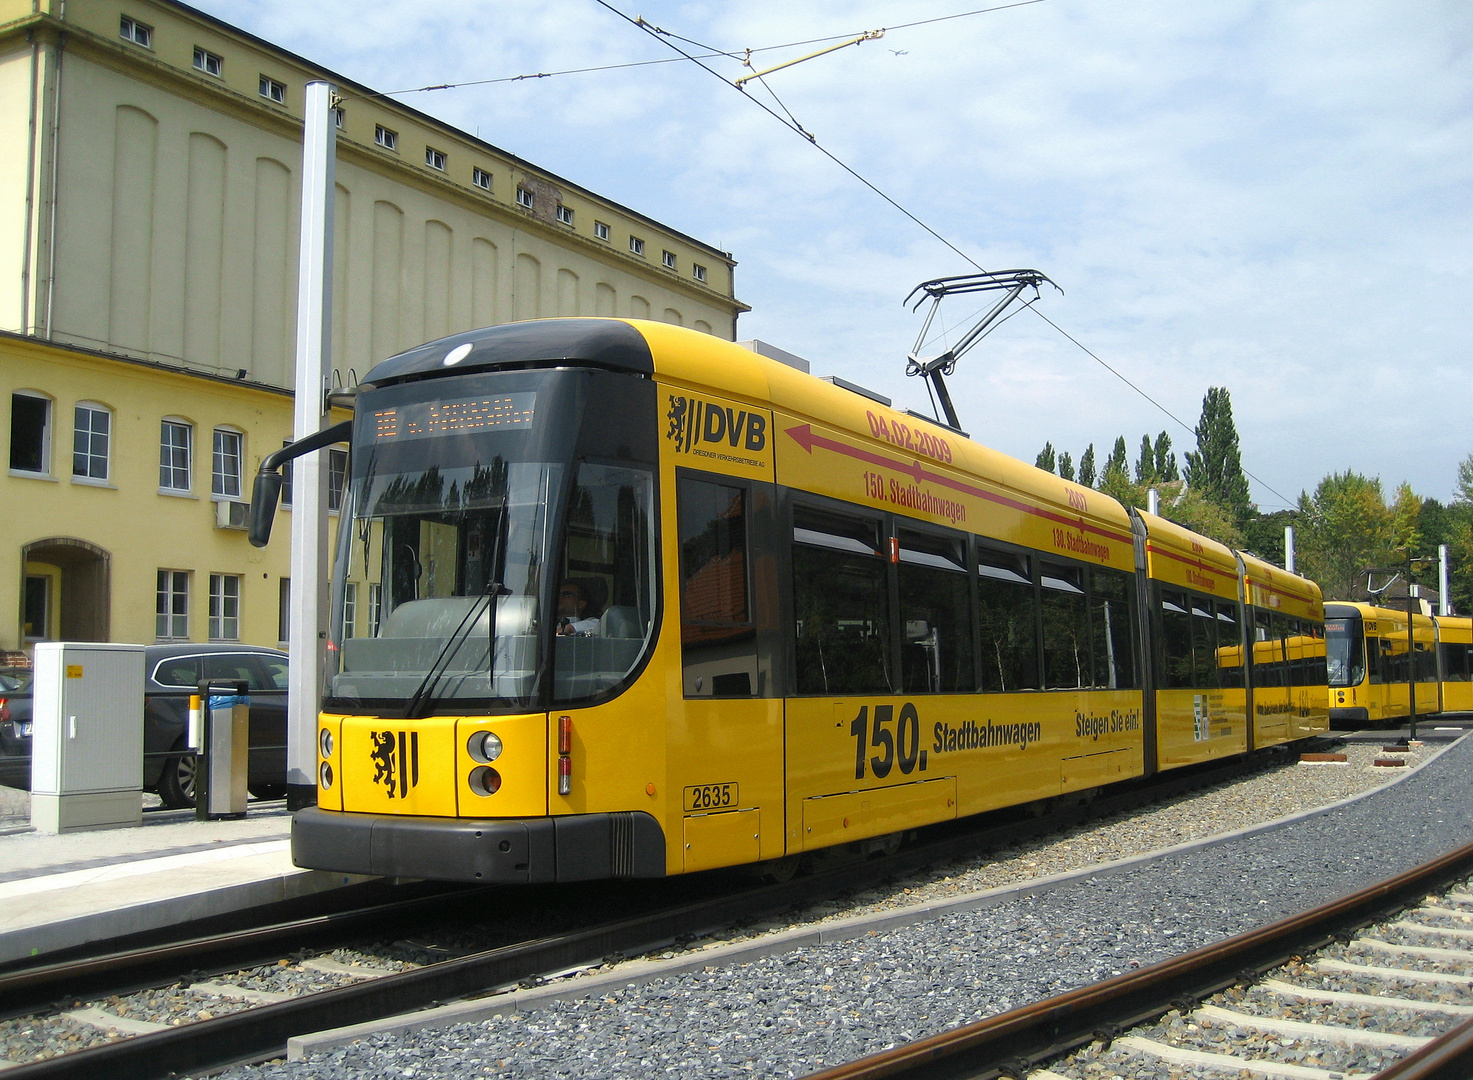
{"x": 524, "y": 197}
{"x": 636, "y": 245}
{"x": 284, "y": 609}
{"x": 90, "y": 441}
{"x": 30, "y": 432}
{"x": 435, "y": 159}
{"x": 224, "y": 607}
{"x": 208, "y": 62}
{"x": 176, "y": 447}
{"x": 601, "y": 230}
{"x": 37, "y": 611}
{"x": 136, "y": 32}
{"x": 225, "y": 464}
{"x": 350, "y": 609}
{"x": 481, "y": 178}
{"x": 273, "y": 90}
{"x": 667, "y": 260}
{"x": 698, "y": 271}
{"x": 375, "y": 607}
{"x": 389, "y": 140}
{"x": 172, "y": 620}
{"x": 564, "y": 214}
{"x": 337, "y": 475}
{"x": 339, "y": 118}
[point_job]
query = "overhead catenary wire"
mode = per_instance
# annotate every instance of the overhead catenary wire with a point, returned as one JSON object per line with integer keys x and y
{"x": 793, "y": 125}
{"x": 790, "y": 121}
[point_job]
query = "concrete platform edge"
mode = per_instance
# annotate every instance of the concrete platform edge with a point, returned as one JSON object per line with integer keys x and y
{"x": 640, "y": 971}
{"x": 154, "y": 914}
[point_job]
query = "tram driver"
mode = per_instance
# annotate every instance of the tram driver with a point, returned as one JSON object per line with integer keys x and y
{"x": 574, "y": 619}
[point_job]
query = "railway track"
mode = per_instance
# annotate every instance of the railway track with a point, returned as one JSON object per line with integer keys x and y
{"x": 1377, "y": 984}
{"x": 214, "y": 1001}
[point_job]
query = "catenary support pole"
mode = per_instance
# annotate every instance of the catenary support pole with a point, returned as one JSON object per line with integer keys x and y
{"x": 1443, "y": 607}
{"x": 1289, "y": 548}
{"x": 307, "y": 619}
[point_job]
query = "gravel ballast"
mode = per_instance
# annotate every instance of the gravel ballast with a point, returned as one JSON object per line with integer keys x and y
{"x": 789, "y": 1014}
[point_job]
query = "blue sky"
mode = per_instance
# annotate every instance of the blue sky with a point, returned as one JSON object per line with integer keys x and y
{"x": 1272, "y": 197}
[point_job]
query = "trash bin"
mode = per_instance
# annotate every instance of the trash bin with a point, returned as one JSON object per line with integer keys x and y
{"x": 224, "y": 761}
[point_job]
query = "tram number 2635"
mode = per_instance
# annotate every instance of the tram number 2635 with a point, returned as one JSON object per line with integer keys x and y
{"x": 897, "y": 737}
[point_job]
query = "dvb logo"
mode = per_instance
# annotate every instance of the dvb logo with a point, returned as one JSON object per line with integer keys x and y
{"x": 694, "y": 421}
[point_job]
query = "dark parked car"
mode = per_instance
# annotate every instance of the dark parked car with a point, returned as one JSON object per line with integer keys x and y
{"x": 15, "y": 727}
{"x": 171, "y": 674}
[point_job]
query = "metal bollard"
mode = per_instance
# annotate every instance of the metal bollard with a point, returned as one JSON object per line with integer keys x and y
{"x": 224, "y": 745}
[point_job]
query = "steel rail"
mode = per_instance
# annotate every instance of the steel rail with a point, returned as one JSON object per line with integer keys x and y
{"x": 1447, "y": 1057}
{"x": 263, "y": 1030}
{"x": 1011, "y": 1043}
{"x": 128, "y": 969}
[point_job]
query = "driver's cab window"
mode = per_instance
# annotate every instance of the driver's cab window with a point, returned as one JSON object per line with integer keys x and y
{"x": 606, "y": 580}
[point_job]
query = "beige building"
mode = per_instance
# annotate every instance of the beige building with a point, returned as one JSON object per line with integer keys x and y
{"x": 149, "y": 198}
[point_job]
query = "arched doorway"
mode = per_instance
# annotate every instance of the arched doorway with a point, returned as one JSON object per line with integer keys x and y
{"x": 67, "y": 593}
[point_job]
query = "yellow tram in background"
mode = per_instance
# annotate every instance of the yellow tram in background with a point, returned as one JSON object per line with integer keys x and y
{"x": 1368, "y": 668}
{"x": 614, "y": 598}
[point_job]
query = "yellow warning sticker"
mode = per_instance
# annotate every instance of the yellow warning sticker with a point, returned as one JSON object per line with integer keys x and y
{"x": 74, "y": 671}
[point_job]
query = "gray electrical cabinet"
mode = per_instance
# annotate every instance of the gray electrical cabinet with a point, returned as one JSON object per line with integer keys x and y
{"x": 87, "y": 736}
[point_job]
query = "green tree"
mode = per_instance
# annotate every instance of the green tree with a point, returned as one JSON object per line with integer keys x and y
{"x": 1145, "y": 463}
{"x": 1179, "y": 503}
{"x": 1115, "y": 463}
{"x": 1045, "y": 459}
{"x": 1066, "y": 466}
{"x": 1406, "y": 515}
{"x": 1215, "y": 468}
{"x": 1087, "y": 475}
{"x": 1165, "y": 460}
{"x": 1346, "y": 527}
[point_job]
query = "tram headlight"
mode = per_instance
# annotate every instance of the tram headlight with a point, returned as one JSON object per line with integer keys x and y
{"x": 484, "y": 746}
{"x": 485, "y": 780}
{"x": 324, "y": 742}
{"x": 324, "y": 775}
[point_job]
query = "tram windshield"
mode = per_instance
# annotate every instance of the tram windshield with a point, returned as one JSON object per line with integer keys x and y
{"x": 470, "y": 514}
{"x": 1345, "y": 652}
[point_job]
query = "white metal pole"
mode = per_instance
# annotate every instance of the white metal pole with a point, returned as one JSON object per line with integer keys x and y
{"x": 1443, "y": 607}
{"x": 1153, "y": 501}
{"x": 307, "y": 621}
{"x": 1289, "y": 548}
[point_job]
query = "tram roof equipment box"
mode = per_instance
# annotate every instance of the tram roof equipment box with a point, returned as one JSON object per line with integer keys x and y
{"x": 87, "y": 736}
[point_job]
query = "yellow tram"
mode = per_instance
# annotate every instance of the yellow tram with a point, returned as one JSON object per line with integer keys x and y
{"x": 1455, "y": 662}
{"x": 1368, "y": 665}
{"x": 642, "y": 602}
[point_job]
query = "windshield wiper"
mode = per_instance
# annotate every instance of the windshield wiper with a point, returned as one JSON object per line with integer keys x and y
{"x": 422, "y": 693}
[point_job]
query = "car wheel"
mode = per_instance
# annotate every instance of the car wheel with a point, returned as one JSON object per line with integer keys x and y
{"x": 176, "y": 782}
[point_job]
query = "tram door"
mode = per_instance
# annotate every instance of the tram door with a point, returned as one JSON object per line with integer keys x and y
{"x": 729, "y": 749}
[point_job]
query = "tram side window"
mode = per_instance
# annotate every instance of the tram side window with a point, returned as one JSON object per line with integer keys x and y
{"x": 1426, "y": 662}
{"x": 1204, "y": 641}
{"x": 1268, "y": 652}
{"x": 1066, "y": 655}
{"x": 1317, "y": 655}
{"x": 607, "y": 578}
{"x": 718, "y": 639}
{"x": 1111, "y": 628}
{"x": 841, "y": 605}
{"x": 1456, "y": 661}
{"x": 935, "y": 616}
{"x": 1007, "y": 617}
{"x": 1374, "y": 660}
{"x": 1178, "y": 670}
{"x": 1229, "y": 647}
